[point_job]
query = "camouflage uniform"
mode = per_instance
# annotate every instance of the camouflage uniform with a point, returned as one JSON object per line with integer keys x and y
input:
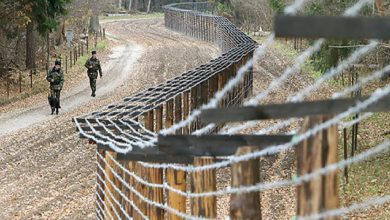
{"x": 93, "y": 72}
{"x": 56, "y": 79}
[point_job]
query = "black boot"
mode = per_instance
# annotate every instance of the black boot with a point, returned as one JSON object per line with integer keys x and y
{"x": 93, "y": 94}
{"x": 52, "y": 110}
{"x": 57, "y": 111}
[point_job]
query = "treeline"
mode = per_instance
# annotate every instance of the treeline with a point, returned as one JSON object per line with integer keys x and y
{"x": 25, "y": 27}
{"x": 30, "y": 30}
{"x": 144, "y": 5}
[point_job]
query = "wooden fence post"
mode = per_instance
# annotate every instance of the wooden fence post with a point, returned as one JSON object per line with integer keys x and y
{"x": 20, "y": 81}
{"x": 321, "y": 193}
{"x": 109, "y": 188}
{"x": 246, "y": 173}
{"x": 138, "y": 202}
{"x": 70, "y": 58}
{"x": 154, "y": 176}
{"x": 178, "y": 109}
{"x": 159, "y": 118}
{"x": 169, "y": 117}
{"x": 119, "y": 186}
{"x": 204, "y": 181}
{"x": 345, "y": 143}
{"x": 176, "y": 178}
{"x": 193, "y": 106}
{"x": 100, "y": 187}
{"x": 130, "y": 165}
{"x": 66, "y": 64}
{"x": 186, "y": 109}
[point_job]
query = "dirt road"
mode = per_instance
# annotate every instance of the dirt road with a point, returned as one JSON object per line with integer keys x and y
{"x": 46, "y": 171}
{"x": 118, "y": 69}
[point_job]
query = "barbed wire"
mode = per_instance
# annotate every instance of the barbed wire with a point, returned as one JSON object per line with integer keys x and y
{"x": 377, "y": 95}
{"x": 213, "y": 103}
{"x": 356, "y": 55}
{"x": 143, "y": 138}
{"x": 140, "y": 196}
{"x": 380, "y": 148}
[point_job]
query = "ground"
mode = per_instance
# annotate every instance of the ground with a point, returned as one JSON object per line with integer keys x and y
{"x": 47, "y": 171}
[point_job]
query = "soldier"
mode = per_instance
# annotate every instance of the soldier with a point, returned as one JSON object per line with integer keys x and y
{"x": 56, "y": 79}
{"x": 93, "y": 66}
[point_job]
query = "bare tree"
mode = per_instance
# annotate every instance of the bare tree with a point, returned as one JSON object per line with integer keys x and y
{"x": 148, "y": 10}
{"x": 130, "y": 4}
{"x": 30, "y": 46}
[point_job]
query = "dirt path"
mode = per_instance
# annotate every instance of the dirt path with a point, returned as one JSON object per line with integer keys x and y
{"x": 46, "y": 170}
{"x": 117, "y": 70}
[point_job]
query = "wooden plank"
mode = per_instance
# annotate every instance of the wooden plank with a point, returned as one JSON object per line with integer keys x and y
{"x": 99, "y": 181}
{"x": 330, "y": 194}
{"x": 351, "y": 28}
{"x": 321, "y": 193}
{"x": 289, "y": 110}
{"x": 193, "y": 106}
{"x": 246, "y": 173}
{"x": 308, "y": 160}
{"x": 178, "y": 180}
{"x": 211, "y": 145}
{"x": 109, "y": 188}
{"x": 129, "y": 165}
{"x": 186, "y": 109}
{"x": 119, "y": 185}
{"x": 204, "y": 181}
{"x": 159, "y": 118}
{"x": 154, "y": 176}
{"x": 178, "y": 111}
{"x": 169, "y": 116}
{"x": 141, "y": 188}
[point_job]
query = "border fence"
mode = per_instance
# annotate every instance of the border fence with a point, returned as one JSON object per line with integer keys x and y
{"x": 157, "y": 151}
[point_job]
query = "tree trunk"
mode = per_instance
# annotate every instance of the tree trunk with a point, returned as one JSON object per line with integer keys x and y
{"x": 120, "y": 4}
{"x": 130, "y": 4}
{"x": 148, "y": 9}
{"x": 30, "y": 46}
{"x": 380, "y": 8}
{"x": 47, "y": 51}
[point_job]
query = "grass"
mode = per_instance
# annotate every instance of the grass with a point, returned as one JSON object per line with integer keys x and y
{"x": 291, "y": 53}
{"x": 101, "y": 46}
{"x": 370, "y": 178}
{"x": 367, "y": 179}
